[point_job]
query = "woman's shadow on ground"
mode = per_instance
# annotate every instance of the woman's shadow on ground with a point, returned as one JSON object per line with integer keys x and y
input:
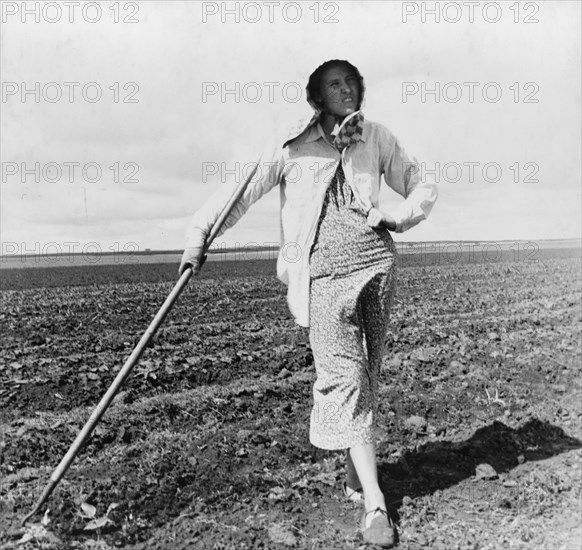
{"x": 437, "y": 465}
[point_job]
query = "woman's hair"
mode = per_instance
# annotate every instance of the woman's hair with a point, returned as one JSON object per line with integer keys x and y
{"x": 314, "y": 84}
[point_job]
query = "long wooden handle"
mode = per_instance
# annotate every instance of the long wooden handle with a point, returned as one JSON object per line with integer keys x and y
{"x": 132, "y": 360}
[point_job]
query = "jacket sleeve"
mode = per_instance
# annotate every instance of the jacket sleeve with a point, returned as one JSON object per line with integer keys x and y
{"x": 407, "y": 177}
{"x": 268, "y": 175}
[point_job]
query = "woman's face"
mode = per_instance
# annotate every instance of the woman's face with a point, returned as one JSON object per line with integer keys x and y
{"x": 339, "y": 90}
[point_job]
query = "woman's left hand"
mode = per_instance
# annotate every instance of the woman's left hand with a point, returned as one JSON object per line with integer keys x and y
{"x": 377, "y": 219}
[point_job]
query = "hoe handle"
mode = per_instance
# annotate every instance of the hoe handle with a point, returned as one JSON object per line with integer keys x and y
{"x": 106, "y": 400}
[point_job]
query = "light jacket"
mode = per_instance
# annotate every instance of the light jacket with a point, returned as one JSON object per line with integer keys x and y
{"x": 303, "y": 167}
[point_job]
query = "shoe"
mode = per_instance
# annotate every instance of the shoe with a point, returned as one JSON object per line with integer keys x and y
{"x": 355, "y": 495}
{"x": 381, "y": 531}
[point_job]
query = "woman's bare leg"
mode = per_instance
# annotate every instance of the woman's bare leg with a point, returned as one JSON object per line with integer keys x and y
{"x": 375, "y": 303}
{"x": 364, "y": 461}
{"x": 352, "y": 479}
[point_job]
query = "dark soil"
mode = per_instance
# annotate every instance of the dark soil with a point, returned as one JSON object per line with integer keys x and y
{"x": 206, "y": 446}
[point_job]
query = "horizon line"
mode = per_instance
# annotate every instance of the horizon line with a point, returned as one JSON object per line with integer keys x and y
{"x": 228, "y": 249}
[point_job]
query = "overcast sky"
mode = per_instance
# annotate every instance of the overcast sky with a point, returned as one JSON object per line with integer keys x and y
{"x": 507, "y": 148}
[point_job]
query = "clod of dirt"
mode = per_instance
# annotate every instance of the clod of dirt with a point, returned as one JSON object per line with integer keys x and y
{"x": 416, "y": 423}
{"x": 35, "y": 532}
{"x": 37, "y": 340}
{"x": 284, "y": 373}
{"x": 485, "y": 471}
{"x": 282, "y": 534}
{"x": 421, "y": 540}
{"x": 456, "y": 368}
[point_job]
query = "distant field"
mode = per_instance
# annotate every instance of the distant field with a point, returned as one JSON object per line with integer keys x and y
{"x": 448, "y": 250}
{"x": 20, "y": 274}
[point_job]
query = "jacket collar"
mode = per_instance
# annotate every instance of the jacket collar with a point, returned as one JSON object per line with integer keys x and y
{"x": 316, "y": 131}
{"x": 313, "y": 129}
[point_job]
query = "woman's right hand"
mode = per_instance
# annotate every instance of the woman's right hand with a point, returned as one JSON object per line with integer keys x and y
{"x": 377, "y": 219}
{"x": 191, "y": 257}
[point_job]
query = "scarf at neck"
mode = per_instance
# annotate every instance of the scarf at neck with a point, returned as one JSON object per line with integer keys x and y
{"x": 349, "y": 132}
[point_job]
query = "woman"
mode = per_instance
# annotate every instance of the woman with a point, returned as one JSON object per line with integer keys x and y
{"x": 338, "y": 260}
